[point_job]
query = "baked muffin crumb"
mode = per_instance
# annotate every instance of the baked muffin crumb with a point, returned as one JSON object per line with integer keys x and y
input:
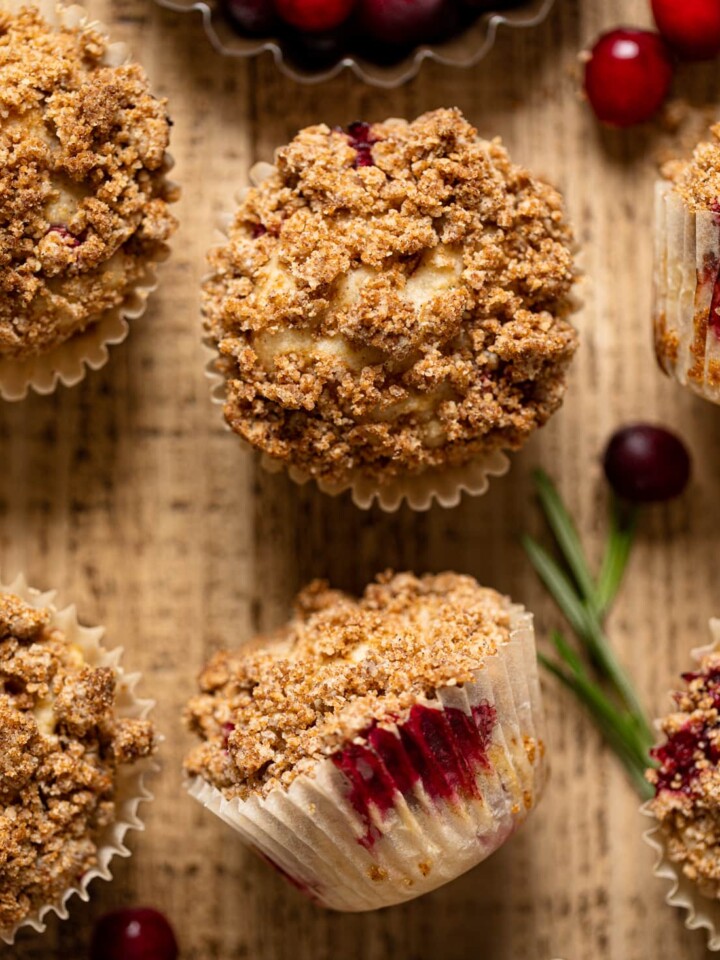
{"x": 392, "y": 302}
{"x": 698, "y": 180}
{"x": 60, "y": 749}
{"x": 267, "y": 715}
{"x": 687, "y": 779}
{"x": 83, "y": 189}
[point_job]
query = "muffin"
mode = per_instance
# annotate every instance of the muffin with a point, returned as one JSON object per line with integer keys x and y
{"x": 84, "y": 196}
{"x": 686, "y": 806}
{"x": 687, "y": 265}
{"x": 390, "y": 310}
{"x": 374, "y": 749}
{"x": 74, "y": 746}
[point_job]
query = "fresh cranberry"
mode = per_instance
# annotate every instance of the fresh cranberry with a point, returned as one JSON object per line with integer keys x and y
{"x": 627, "y": 76}
{"x": 691, "y": 27}
{"x": 313, "y": 16}
{"x": 251, "y": 16}
{"x": 407, "y": 22}
{"x": 136, "y": 933}
{"x": 645, "y": 464}
{"x": 317, "y": 51}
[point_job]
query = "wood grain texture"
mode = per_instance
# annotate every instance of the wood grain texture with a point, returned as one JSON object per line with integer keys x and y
{"x": 128, "y": 495}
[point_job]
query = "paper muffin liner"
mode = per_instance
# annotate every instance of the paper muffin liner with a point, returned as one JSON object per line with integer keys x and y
{"x": 702, "y": 912}
{"x": 412, "y": 804}
{"x": 687, "y": 289}
{"x": 68, "y": 362}
{"x": 131, "y": 788}
{"x": 444, "y": 485}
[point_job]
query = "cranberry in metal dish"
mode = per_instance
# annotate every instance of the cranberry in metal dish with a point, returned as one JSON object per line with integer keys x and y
{"x": 691, "y": 27}
{"x": 627, "y": 76}
{"x": 405, "y": 21}
{"x": 645, "y": 464}
{"x": 251, "y": 16}
{"x": 135, "y": 933}
{"x": 315, "y": 15}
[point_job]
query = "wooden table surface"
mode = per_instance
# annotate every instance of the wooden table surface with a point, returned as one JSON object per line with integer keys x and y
{"x": 128, "y": 495}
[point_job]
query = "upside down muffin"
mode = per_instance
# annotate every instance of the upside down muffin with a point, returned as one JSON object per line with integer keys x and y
{"x": 83, "y": 190}
{"x": 392, "y": 298}
{"x": 62, "y": 746}
{"x": 375, "y": 748}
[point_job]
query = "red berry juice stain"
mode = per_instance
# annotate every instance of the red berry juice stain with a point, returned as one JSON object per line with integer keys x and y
{"x": 63, "y": 232}
{"x": 441, "y": 749}
{"x": 361, "y": 140}
{"x": 677, "y": 760}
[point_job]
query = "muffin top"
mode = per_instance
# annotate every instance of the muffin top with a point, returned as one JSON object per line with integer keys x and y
{"x": 687, "y": 779}
{"x": 392, "y": 298}
{"x": 698, "y": 180}
{"x": 60, "y": 749}
{"x": 267, "y": 714}
{"x": 83, "y": 194}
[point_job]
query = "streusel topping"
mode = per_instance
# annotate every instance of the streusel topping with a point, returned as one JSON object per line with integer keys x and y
{"x": 687, "y": 780}
{"x": 83, "y": 193}
{"x": 392, "y": 298}
{"x": 267, "y": 715}
{"x": 698, "y": 179}
{"x": 60, "y": 748}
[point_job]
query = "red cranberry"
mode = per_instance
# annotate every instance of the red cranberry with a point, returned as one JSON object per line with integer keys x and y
{"x": 251, "y": 16}
{"x": 136, "y": 933}
{"x": 691, "y": 27}
{"x": 315, "y": 15}
{"x": 361, "y": 140}
{"x": 628, "y": 76}
{"x": 645, "y": 464}
{"x": 405, "y": 21}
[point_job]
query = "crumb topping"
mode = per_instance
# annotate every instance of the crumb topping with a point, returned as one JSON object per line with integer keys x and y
{"x": 83, "y": 192}
{"x": 698, "y": 180}
{"x": 266, "y": 715}
{"x": 392, "y": 298}
{"x": 60, "y": 749}
{"x": 687, "y": 779}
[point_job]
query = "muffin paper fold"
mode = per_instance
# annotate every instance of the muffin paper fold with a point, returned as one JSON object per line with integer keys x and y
{"x": 131, "y": 786}
{"x": 687, "y": 290}
{"x": 411, "y": 804}
{"x": 701, "y": 912}
{"x": 68, "y": 362}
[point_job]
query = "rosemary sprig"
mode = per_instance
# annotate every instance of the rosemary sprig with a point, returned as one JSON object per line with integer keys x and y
{"x": 585, "y": 600}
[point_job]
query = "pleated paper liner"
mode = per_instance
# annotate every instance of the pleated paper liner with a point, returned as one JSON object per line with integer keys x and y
{"x": 687, "y": 292}
{"x": 68, "y": 362}
{"x": 702, "y": 912}
{"x": 411, "y": 805}
{"x": 131, "y": 789}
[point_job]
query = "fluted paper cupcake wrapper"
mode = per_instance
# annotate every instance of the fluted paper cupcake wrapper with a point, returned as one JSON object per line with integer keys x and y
{"x": 68, "y": 362}
{"x": 702, "y": 912}
{"x": 409, "y": 805}
{"x": 131, "y": 789}
{"x": 687, "y": 268}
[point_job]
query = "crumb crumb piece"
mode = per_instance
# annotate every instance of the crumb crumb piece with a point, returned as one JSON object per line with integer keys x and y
{"x": 60, "y": 749}
{"x": 698, "y": 180}
{"x": 392, "y": 315}
{"x": 265, "y": 716}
